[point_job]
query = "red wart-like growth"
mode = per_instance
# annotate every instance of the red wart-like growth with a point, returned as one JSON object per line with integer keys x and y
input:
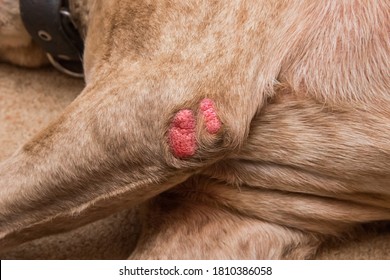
{"x": 182, "y": 134}
{"x": 212, "y": 121}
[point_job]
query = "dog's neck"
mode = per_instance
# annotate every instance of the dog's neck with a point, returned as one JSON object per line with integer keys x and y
{"x": 80, "y": 14}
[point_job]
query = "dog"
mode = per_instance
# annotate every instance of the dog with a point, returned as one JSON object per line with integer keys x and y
{"x": 239, "y": 129}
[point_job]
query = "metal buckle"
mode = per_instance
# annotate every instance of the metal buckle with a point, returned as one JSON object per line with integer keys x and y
{"x": 62, "y": 68}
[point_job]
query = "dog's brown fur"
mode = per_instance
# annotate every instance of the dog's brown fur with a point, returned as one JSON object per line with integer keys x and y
{"x": 301, "y": 88}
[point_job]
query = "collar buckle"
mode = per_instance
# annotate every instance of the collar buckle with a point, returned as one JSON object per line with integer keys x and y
{"x": 51, "y": 26}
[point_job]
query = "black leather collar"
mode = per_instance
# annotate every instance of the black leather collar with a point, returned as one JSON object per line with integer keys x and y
{"x": 50, "y": 25}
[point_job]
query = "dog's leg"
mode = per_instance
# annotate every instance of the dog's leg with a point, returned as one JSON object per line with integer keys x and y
{"x": 71, "y": 169}
{"x": 142, "y": 125}
{"x": 192, "y": 222}
{"x": 311, "y": 166}
{"x": 113, "y": 237}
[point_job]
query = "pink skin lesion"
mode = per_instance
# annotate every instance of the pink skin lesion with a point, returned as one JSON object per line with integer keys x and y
{"x": 207, "y": 108}
{"x": 182, "y": 132}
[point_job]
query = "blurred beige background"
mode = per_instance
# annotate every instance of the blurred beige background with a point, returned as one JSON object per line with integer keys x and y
{"x": 30, "y": 99}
